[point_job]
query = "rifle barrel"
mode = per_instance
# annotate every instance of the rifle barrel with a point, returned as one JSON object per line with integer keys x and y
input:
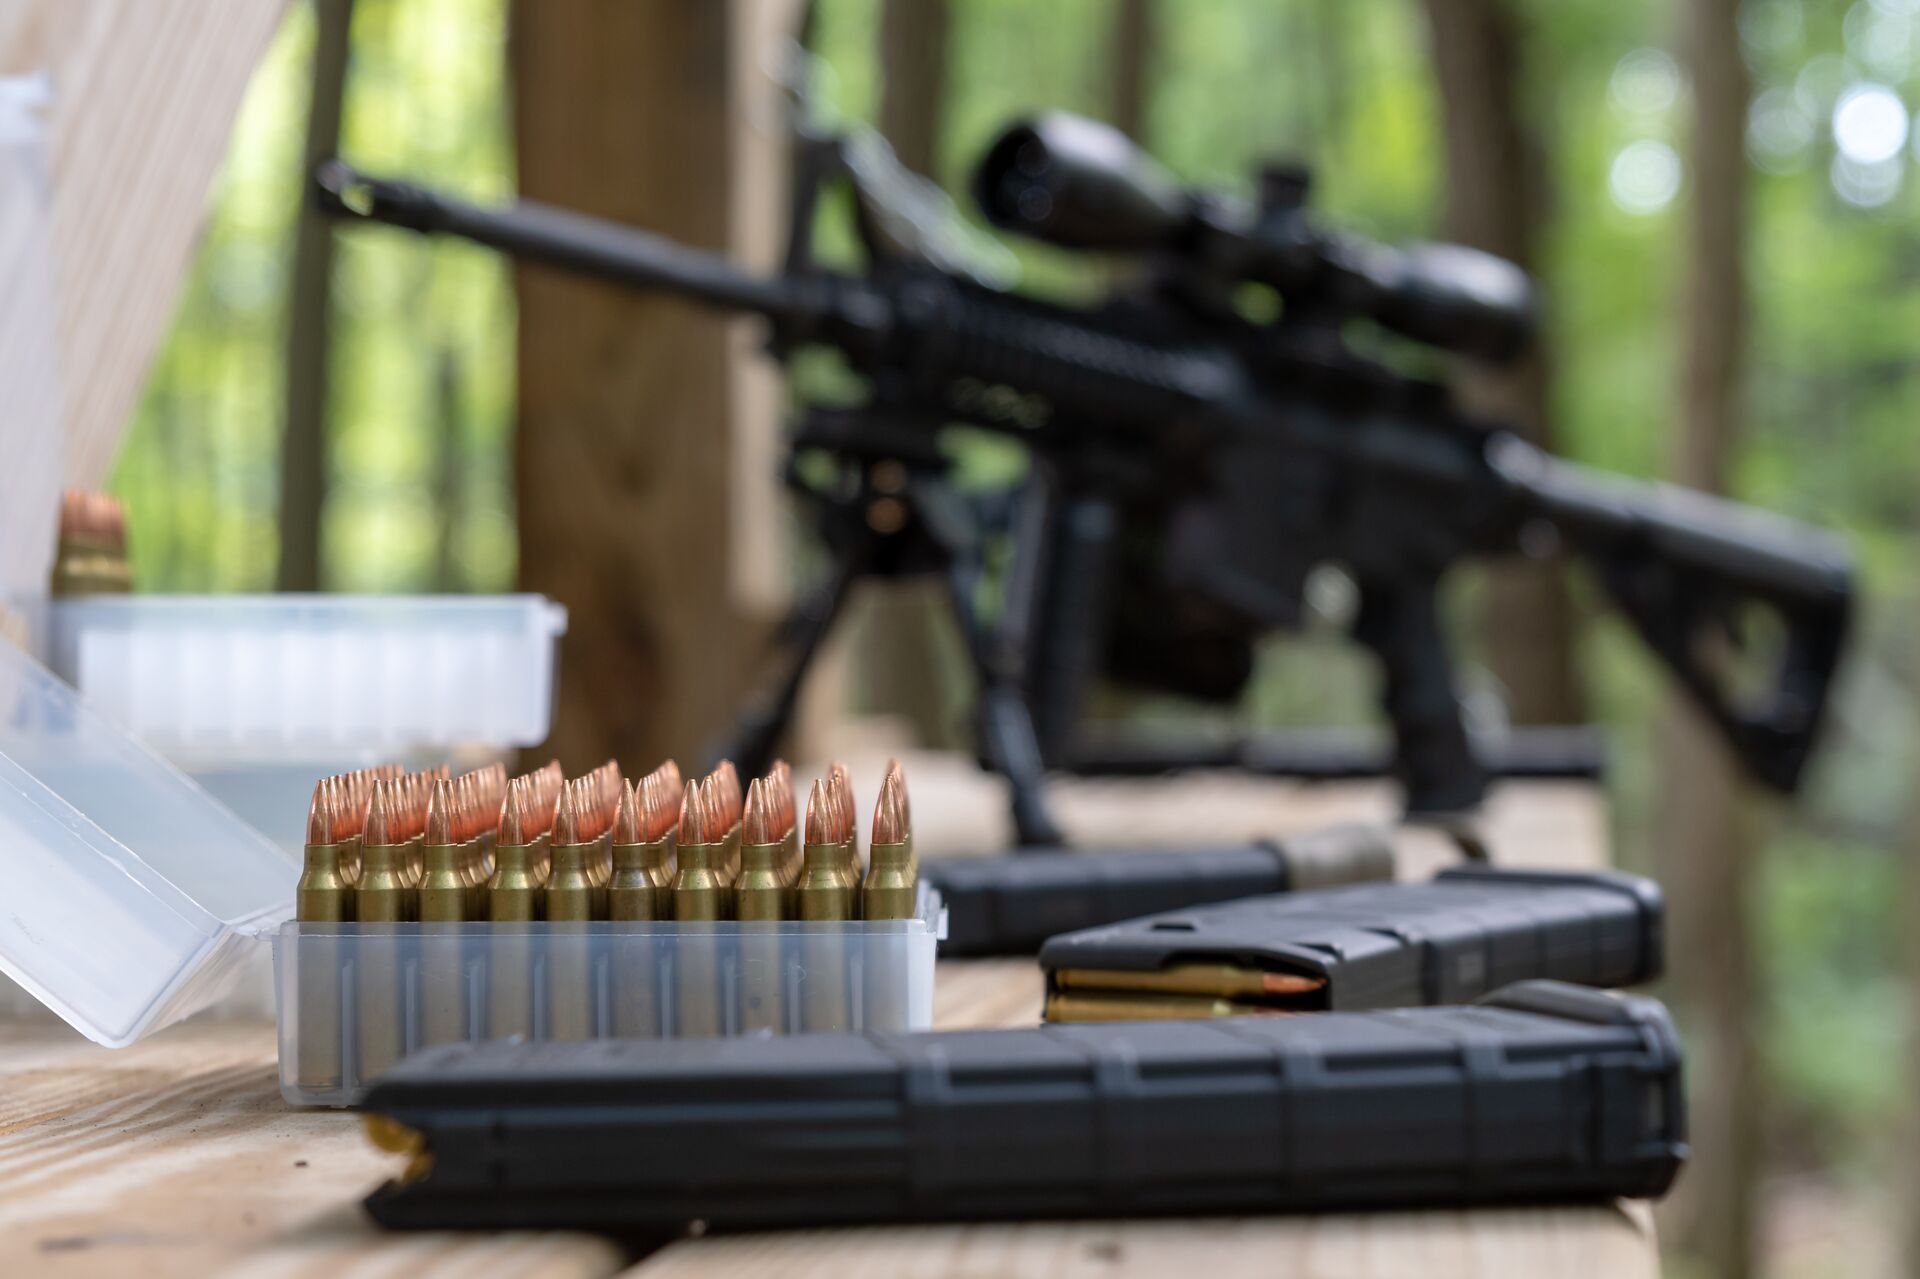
{"x": 571, "y": 241}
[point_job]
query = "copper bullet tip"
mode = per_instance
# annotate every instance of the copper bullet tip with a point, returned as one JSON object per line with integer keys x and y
{"x": 889, "y": 817}
{"x": 840, "y": 797}
{"x": 440, "y": 813}
{"x": 659, "y": 806}
{"x": 350, "y": 800}
{"x": 95, "y": 517}
{"x": 321, "y": 813}
{"x": 513, "y": 813}
{"x": 567, "y": 816}
{"x": 759, "y": 825}
{"x": 896, "y": 782}
{"x": 691, "y": 811}
{"x": 715, "y": 820}
{"x": 899, "y": 778}
{"x": 460, "y": 827}
{"x": 626, "y": 818}
{"x": 727, "y": 794}
{"x": 383, "y": 817}
{"x": 820, "y": 816}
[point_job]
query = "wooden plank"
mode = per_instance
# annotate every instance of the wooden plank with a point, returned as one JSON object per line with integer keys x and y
{"x": 177, "y": 1156}
{"x": 1605, "y": 1242}
{"x": 145, "y": 94}
{"x": 959, "y": 810}
{"x": 624, "y": 458}
{"x": 1552, "y": 824}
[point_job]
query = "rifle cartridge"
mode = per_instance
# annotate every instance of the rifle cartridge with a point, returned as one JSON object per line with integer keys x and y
{"x": 899, "y": 775}
{"x": 513, "y": 893}
{"x": 700, "y": 884}
{"x": 890, "y": 888}
{"x": 700, "y": 893}
{"x": 640, "y": 885}
{"x": 571, "y": 899}
{"x": 572, "y": 896}
{"x": 324, "y": 893}
{"x": 760, "y": 898}
{"x": 761, "y": 891}
{"x": 726, "y": 780}
{"x": 840, "y": 795}
{"x": 824, "y": 895}
{"x": 515, "y": 899}
{"x": 445, "y": 896}
{"x": 823, "y": 891}
{"x": 1210, "y": 981}
{"x": 386, "y": 892}
{"x": 324, "y": 896}
{"x": 780, "y": 779}
{"x": 385, "y": 897}
{"x": 1085, "y": 1006}
{"x": 91, "y": 556}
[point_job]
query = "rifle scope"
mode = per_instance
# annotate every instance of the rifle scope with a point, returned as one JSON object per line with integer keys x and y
{"x": 1080, "y": 184}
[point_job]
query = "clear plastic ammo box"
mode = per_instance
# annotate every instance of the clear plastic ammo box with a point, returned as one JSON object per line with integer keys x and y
{"x": 134, "y": 899}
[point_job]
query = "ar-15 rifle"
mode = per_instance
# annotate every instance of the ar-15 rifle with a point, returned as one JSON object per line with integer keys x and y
{"x": 1207, "y": 455}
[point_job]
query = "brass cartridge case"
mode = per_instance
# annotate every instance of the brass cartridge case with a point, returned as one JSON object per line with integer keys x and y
{"x": 384, "y": 897}
{"x": 700, "y": 887}
{"x": 514, "y": 901}
{"x": 700, "y": 894}
{"x": 761, "y": 902}
{"x": 824, "y": 891}
{"x": 323, "y": 897}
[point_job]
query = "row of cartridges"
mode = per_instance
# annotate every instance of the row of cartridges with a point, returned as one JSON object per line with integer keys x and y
{"x": 388, "y": 846}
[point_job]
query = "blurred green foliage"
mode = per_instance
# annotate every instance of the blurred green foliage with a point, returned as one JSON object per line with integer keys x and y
{"x": 423, "y": 339}
{"x": 424, "y": 357}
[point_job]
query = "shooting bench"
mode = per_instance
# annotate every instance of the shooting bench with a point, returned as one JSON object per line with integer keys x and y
{"x": 177, "y": 1156}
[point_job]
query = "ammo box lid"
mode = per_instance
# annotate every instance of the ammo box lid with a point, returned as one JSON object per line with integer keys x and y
{"x": 131, "y": 897}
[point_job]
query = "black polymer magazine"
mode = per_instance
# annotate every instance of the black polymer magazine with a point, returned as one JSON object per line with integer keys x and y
{"x": 1010, "y": 904}
{"x": 1543, "y": 1092}
{"x": 1448, "y": 940}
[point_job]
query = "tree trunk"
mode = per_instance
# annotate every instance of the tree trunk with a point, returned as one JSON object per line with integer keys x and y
{"x": 623, "y": 451}
{"x": 1708, "y": 827}
{"x": 303, "y": 443}
{"x": 1908, "y": 1189}
{"x": 1496, "y": 202}
{"x": 1130, "y": 56}
{"x": 449, "y": 418}
{"x": 913, "y": 84}
{"x": 901, "y": 639}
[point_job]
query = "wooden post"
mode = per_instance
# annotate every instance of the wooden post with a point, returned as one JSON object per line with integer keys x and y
{"x": 625, "y": 445}
{"x": 900, "y": 637}
{"x": 913, "y": 88}
{"x": 303, "y": 440}
{"x": 1495, "y": 202}
{"x": 1130, "y": 54}
{"x": 1710, "y": 829}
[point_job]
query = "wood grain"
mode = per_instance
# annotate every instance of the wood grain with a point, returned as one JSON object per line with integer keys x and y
{"x": 1611, "y": 1241}
{"x": 177, "y": 1156}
